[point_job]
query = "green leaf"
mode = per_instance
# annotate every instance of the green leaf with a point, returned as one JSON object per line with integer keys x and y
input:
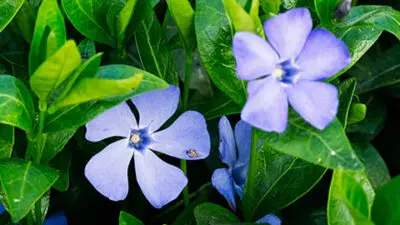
{"x": 55, "y": 70}
{"x": 381, "y": 72}
{"x": 128, "y": 219}
{"x": 49, "y": 35}
{"x": 325, "y": 10}
{"x": 87, "y": 49}
{"x": 24, "y": 183}
{"x": 62, "y": 163}
{"x": 88, "y": 17}
{"x": 183, "y": 15}
{"x": 270, "y": 6}
{"x": 25, "y": 21}
{"x": 350, "y": 199}
{"x": 241, "y": 20}
{"x": 16, "y": 103}
{"x": 44, "y": 207}
{"x": 357, "y": 113}
{"x": 152, "y": 46}
{"x": 55, "y": 143}
{"x": 329, "y": 148}
{"x": 211, "y": 214}
{"x": 8, "y": 9}
{"x": 78, "y": 115}
{"x": 276, "y": 180}
{"x": 387, "y": 205}
{"x": 91, "y": 89}
{"x": 123, "y": 19}
{"x": 6, "y": 140}
{"x": 214, "y": 33}
{"x": 346, "y": 92}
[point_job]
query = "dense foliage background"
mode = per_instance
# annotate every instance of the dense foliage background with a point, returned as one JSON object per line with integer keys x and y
{"x": 142, "y": 45}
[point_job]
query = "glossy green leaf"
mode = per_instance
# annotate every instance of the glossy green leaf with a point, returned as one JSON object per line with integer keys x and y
{"x": 92, "y": 89}
{"x": 387, "y": 205}
{"x": 78, "y": 115}
{"x": 49, "y": 35}
{"x": 8, "y": 9}
{"x": 87, "y": 49}
{"x": 214, "y": 33}
{"x": 350, "y": 199}
{"x": 357, "y": 113}
{"x": 325, "y": 10}
{"x": 25, "y": 21}
{"x": 329, "y": 148}
{"x": 211, "y": 214}
{"x": 123, "y": 19}
{"x": 44, "y": 207}
{"x": 24, "y": 183}
{"x": 62, "y": 163}
{"x": 240, "y": 19}
{"x": 128, "y": 219}
{"x": 383, "y": 71}
{"x": 183, "y": 15}
{"x": 16, "y": 103}
{"x": 276, "y": 180}
{"x": 54, "y": 143}
{"x": 88, "y": 17}
{"x": 346, "y": 92}
{"x": 6, "y": 140}
{"x": 55, "y": 70}
{"x": 216, "y": 106}
{"x": 152, "y": 47}
{"x": 270, "y": 6}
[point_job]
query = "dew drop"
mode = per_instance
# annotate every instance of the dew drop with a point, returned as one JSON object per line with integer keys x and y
{"x": 319, "y": 160}
{"x": 17, "y": 200}
{"x": 333, "y": 153}
{"x": 353, "y": 156}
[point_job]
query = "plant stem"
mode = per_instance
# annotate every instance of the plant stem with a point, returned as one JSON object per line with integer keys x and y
{"x": 253, "y": 158}
{"x": 188, "y": 74}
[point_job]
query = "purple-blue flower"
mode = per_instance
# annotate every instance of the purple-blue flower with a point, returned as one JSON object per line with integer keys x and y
{"x": 231, "y": 180}
{"x": 289, "y": 68}
{"x": 56, "y": 219}
{"x": 187, "y": 138}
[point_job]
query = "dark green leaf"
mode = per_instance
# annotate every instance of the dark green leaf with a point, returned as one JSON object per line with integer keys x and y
{"x": 329, "y": 148}
{"x": 346, "y": 92}
{"x": 8, "y": 9}
{"x": 49, "y": 35}
{"x": 153, "y": 50}
{"x": 17, "y": 106}
{"x": 387, "y": 205}
{"x": 383, "y": 71}
{"x": 123, "y": 19}
{"x": 78, "y": 115}
{"x": 350, "y": 199}
{"x": 276, "y": 180}
{"x": 24, "y": 183}
{"x": 270, "y": 6}
{"x": 128, "y": 219}
{"x": 325, "y": 10}
{"x": 87, "y": 49}
{"x": 44, "y": 207}
{"x": 211, "y": 214}
{"x": 214, "y": 33}
{"x": 54, "y": 143}
{"x": 88, "y": 17}
{"x": 25, "y": 21}
{"x": 55, "y": 70}
{"x": 6, "y": 140}
{"x": 62, "y": 163}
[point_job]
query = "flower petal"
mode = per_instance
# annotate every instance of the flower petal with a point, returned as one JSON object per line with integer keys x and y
{"x": 156, "y": 107}
{"x": 160, "y": 182}
{"x": 56, "y": 219}
{"x": 323, "y": 56}
{"x": 270, "y": 219}
{"x": 227, "y": 146}
{"x": 223, "y": 181}
{"x": 288, "y": 32}
{"x": 243, "y": 141}
{"x": 187, "y": 138}
{"x": 316, "y": 102}
{"x": 107, "y": 171}
{"x": 266, "y": 107}
{"x": 115, "y": 122}
{"x": 254, "y": 56}
{"x": 2, "y": 209}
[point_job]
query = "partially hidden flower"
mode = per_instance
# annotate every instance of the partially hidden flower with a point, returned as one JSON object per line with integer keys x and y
{"x": 287, "y": 69}
{"x": 56, "y": 219}
{"x": 230, "y": 181}
{"x": 187, "y": 138}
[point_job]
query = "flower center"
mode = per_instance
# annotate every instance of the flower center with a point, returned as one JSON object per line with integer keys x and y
{"x": 139, "y": 139}
{"x": 286, "y": 72}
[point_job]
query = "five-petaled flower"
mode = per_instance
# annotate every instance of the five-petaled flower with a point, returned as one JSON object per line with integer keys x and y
{"x": 187, "y": 138}
{"x": 231, "y": 180}
{"x": 289, "y": 68}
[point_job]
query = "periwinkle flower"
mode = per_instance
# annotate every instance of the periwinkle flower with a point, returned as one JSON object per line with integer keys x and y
{"x": 289, "y": 68}
{"x": 231, "y": 180}
{"x": 187, "y": 138}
